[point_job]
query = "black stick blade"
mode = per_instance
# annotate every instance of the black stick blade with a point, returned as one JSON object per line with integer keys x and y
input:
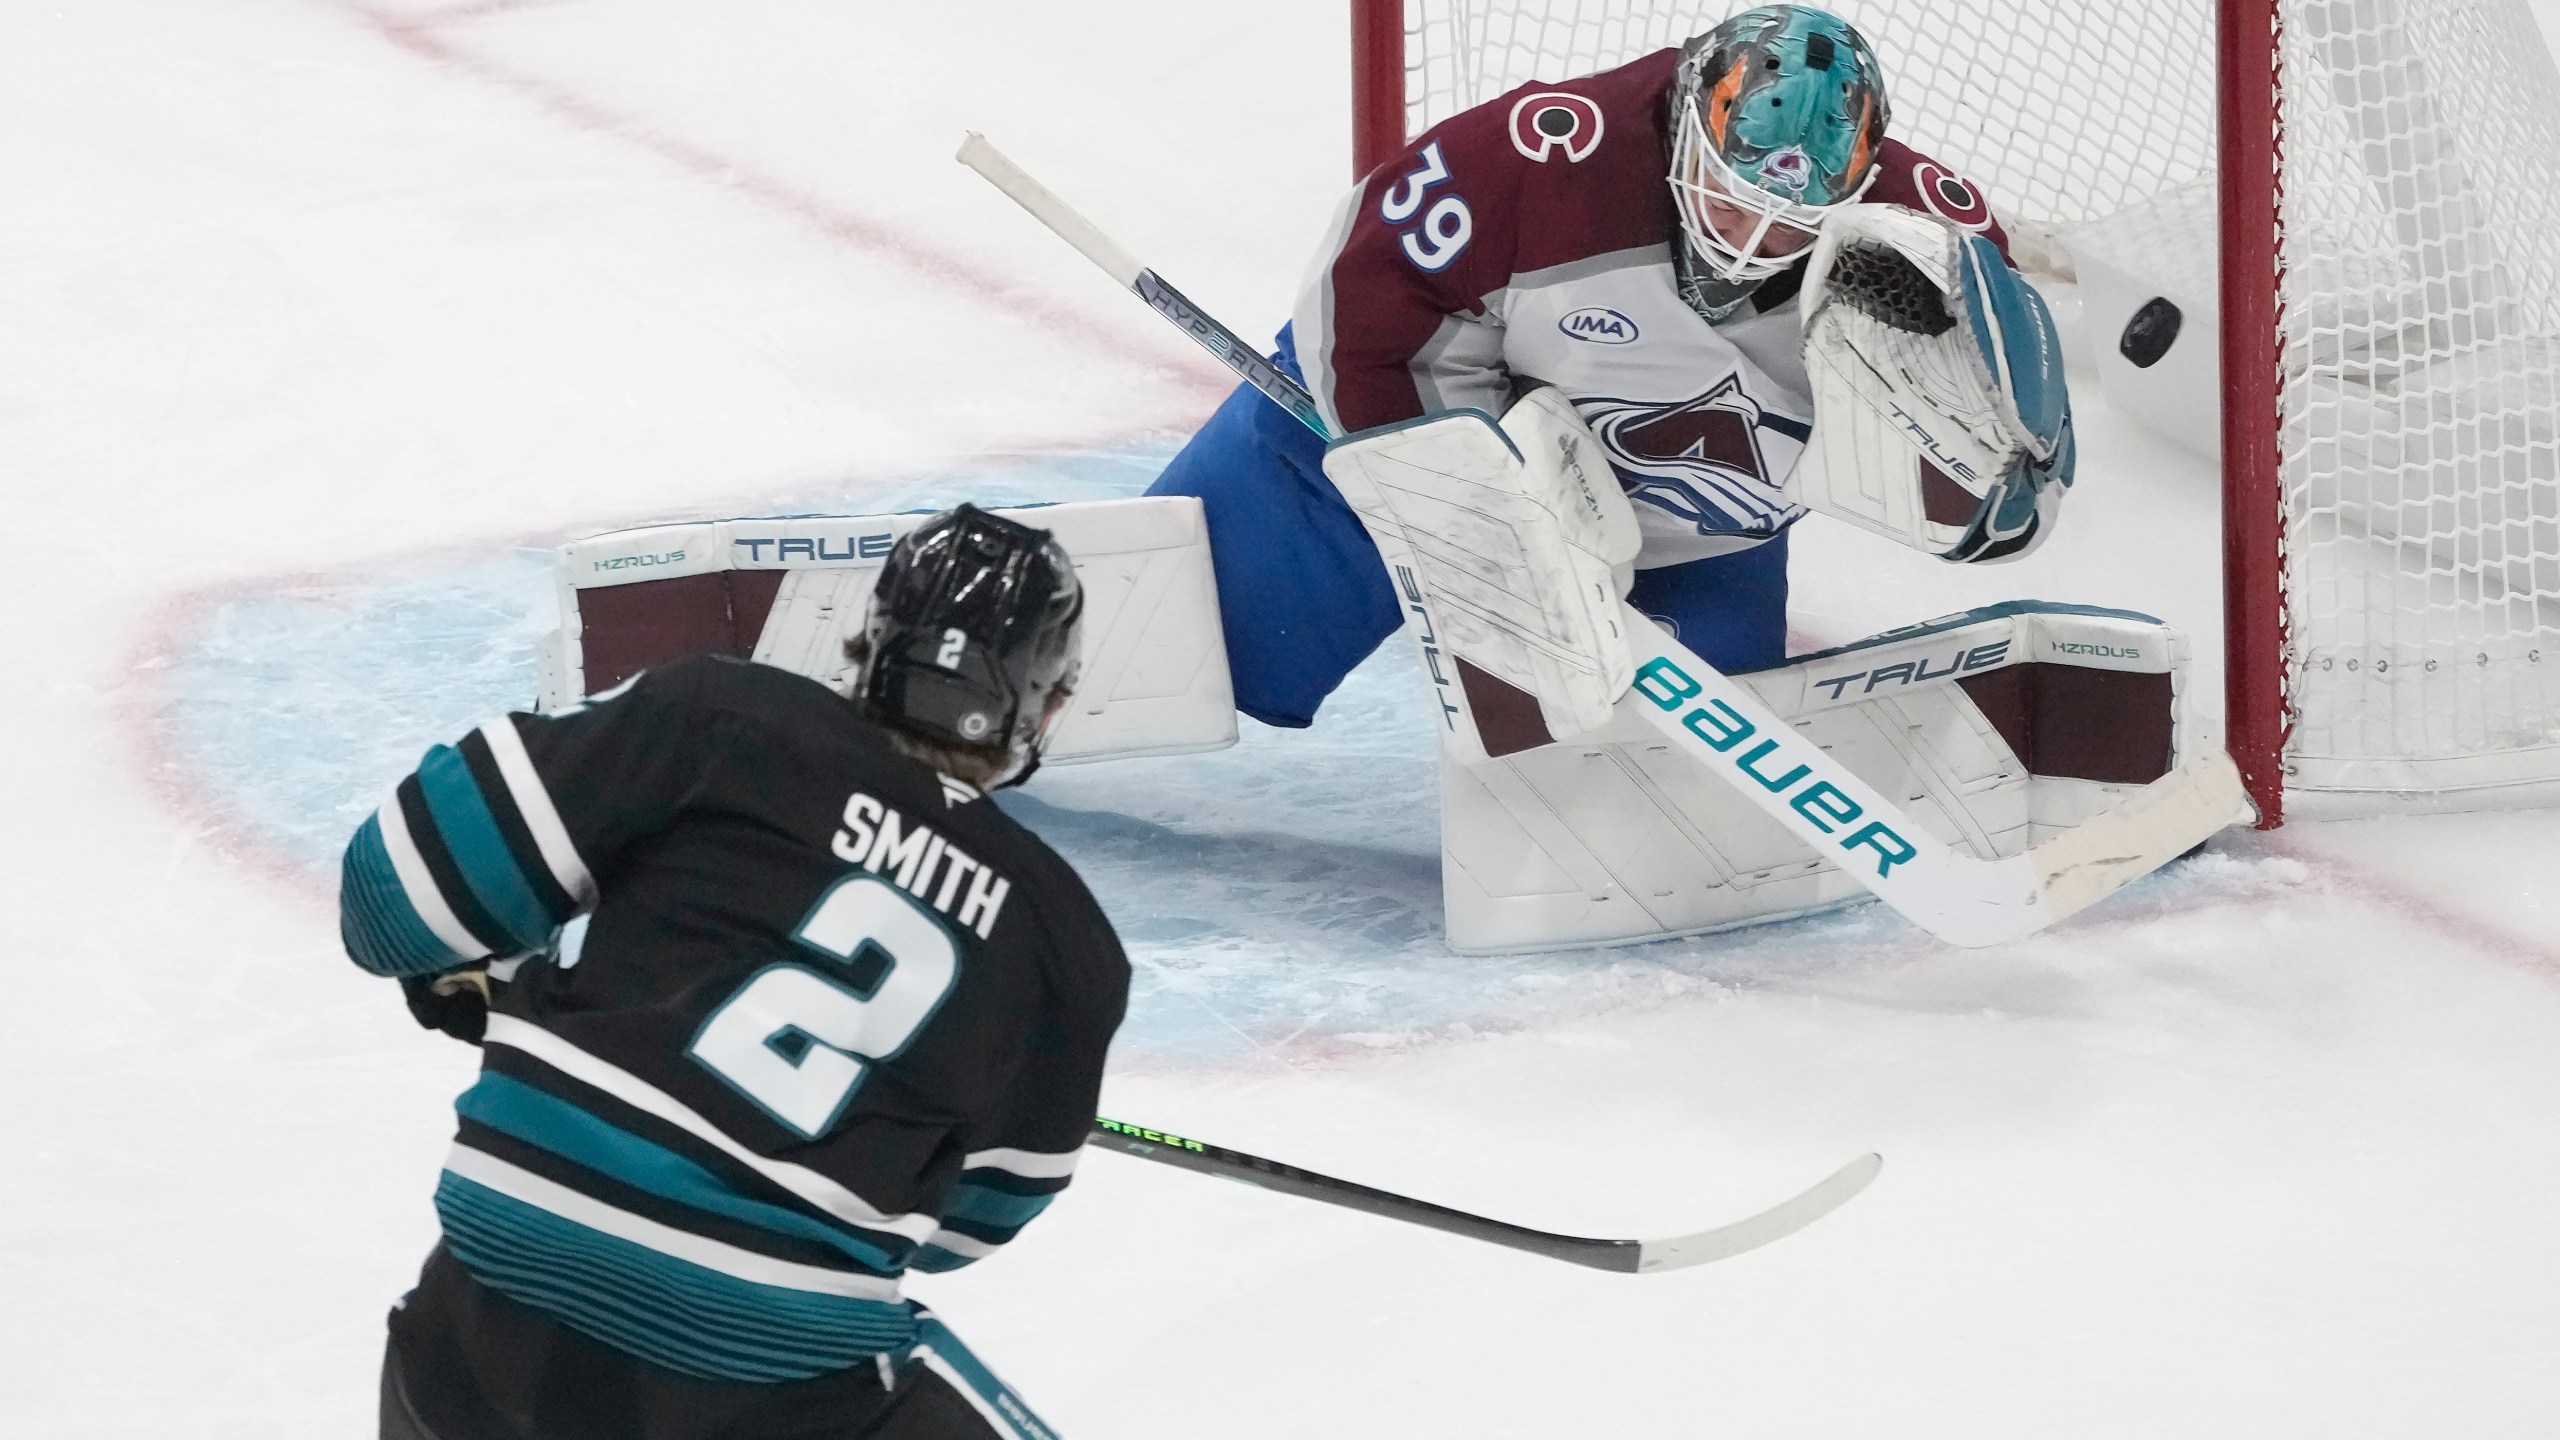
{"x": 1627, "y": 1257}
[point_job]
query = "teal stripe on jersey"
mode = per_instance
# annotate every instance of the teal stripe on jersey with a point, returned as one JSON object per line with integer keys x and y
{"x": 723, "y": 1335}
{"x": 934, "y": 1260}
{"x": 628, "y": 1313}
{"x": 973, "y": 1372}
{"x": 506, "y": 1104}
{"x": 670, "y": 1312}
{"x": 479, "y": 850}
{"x": 992, "y": 1209}
{"x": 379, "y": 925}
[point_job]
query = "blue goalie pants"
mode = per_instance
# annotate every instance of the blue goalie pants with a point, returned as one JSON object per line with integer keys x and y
{"x": 466, "y": 1363}
{"x": 1303, "y": 596}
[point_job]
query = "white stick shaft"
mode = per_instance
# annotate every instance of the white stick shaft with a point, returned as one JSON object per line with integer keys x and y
{"x": 1051, "y": 211}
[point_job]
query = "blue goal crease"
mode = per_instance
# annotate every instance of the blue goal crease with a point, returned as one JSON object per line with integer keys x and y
{"x": 1285, "y": 890}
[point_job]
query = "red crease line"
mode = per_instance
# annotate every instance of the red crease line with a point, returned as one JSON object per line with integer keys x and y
{"x": 2378, "y": 891}
{"x": 884, "y": 240}
{"x": 459, "y": 14}
{"x": 148, "y": 709}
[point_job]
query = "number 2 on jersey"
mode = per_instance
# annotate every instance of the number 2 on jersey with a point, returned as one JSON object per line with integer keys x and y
{"x": 797, "y": 1041}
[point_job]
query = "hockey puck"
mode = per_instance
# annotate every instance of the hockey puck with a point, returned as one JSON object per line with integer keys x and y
{"x": 2151, "y": 331}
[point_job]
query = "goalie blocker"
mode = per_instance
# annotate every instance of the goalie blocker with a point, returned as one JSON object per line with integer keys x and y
{"x": 1510, "y": 545}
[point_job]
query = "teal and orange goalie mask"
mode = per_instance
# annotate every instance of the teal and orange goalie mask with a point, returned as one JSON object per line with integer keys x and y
{"x": 1776, "y": 120}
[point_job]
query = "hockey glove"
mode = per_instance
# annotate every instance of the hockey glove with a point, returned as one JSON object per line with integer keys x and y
{"x": 1511, "y": 540}
{"x": 1941, "y": 417}
{"x": 456, "y": 1002}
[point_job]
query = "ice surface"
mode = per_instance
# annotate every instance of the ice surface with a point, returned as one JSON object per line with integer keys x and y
{"x": 325, "y": 321}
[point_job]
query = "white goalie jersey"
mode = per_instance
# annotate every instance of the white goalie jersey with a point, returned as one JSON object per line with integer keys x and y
{"x": 1495, "y": 256}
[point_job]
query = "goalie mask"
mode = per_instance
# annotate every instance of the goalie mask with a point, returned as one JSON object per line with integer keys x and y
{"x": 1777, "y": 118}
{"x": 973, "y": 628}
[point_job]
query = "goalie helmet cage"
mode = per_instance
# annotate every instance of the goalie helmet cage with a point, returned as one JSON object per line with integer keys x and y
{"x": 2382, "y": 180}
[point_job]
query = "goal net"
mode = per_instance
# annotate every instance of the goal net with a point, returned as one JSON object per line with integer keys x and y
{"x": 2411, "y": 413}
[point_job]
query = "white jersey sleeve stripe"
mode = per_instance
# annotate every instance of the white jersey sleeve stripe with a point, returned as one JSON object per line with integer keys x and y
{"x": 1313, "y": 319}
{"x": 631, "y": 1090}
{"x": 965, "y": 1246}
{"x": 420, "y": 883}
{"x": 995, "y": 1418}
{"x": 515, "y": 1182}
{"x": 1029, "y": 1164}
{"x": 533, "y": 802}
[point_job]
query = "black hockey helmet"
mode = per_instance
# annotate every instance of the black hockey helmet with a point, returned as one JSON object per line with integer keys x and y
{"x": 973, "y": 626}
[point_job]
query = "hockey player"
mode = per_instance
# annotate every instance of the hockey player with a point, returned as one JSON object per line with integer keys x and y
{"x": 835, "y": 1016}
{"x": 1535, "y": 239}
{"x": 1590, "y": 349}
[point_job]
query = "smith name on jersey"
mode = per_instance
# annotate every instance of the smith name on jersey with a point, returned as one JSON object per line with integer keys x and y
{"x": 835, "y": 1015}
{"x": 1529, "y": 240}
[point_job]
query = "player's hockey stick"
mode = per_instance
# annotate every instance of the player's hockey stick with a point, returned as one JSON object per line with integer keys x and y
{"x": 1246, "y": 360}
{"x": 1628, "y": 1257}
{"x": 1717, "y": 720}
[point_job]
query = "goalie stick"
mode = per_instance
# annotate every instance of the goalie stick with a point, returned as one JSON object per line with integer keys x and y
{"x": 1625, "y": 1257}
{"x": 1718, "y": 721}
{"x": 1120, "y": 265}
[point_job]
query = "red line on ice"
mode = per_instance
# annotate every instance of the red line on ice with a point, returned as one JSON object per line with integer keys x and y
{"x": 147, "y": 707}
{"x": 147, "y": 712}
{"x": 471, "y": 10}
{"x": 2420, "y": 911}
{"x": 882, "y": 239}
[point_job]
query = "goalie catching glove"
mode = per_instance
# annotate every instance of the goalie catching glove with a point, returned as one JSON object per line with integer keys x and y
{"x": 1941, "y": 417}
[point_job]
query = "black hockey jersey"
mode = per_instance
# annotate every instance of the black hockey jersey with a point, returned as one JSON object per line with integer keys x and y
{"x": 835, "y": 1015}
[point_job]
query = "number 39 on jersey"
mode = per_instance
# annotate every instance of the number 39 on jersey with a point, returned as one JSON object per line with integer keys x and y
{"x": 1446, "y": 227}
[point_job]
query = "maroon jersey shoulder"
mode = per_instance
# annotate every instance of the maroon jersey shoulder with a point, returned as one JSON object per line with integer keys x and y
{"x": 1908, "y": 178}
{"x": 1587, "y": 162}
{"x": 1544, "y": 175}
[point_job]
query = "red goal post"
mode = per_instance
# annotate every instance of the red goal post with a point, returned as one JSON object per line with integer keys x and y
{"x": 2379, "y": 182}
{"x": 2257, "y": 713}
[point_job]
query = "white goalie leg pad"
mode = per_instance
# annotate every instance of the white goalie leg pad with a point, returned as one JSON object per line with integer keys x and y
{"x": 1613, "y": 839}
{"x": 1508, "y": 545}
{"x": 1154, "y": 677}
{"x": 2004, "y": 726}
{"x": 1996, "y": 729}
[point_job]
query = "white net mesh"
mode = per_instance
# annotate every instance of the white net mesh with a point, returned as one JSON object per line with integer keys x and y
{"x": 2421, "y": 290}
{"x": 2421, "y": 425}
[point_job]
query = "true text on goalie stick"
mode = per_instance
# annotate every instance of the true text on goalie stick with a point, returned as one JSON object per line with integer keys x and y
{"x": 1956, "y": 897}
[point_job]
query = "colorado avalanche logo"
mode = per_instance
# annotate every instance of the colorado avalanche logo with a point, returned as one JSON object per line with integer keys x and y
{"x": 1950, "y": 196}
{"x": 1788, "y": 169}
{"x": 1552, "y": 120}
{"x": 1701, "y": 459}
